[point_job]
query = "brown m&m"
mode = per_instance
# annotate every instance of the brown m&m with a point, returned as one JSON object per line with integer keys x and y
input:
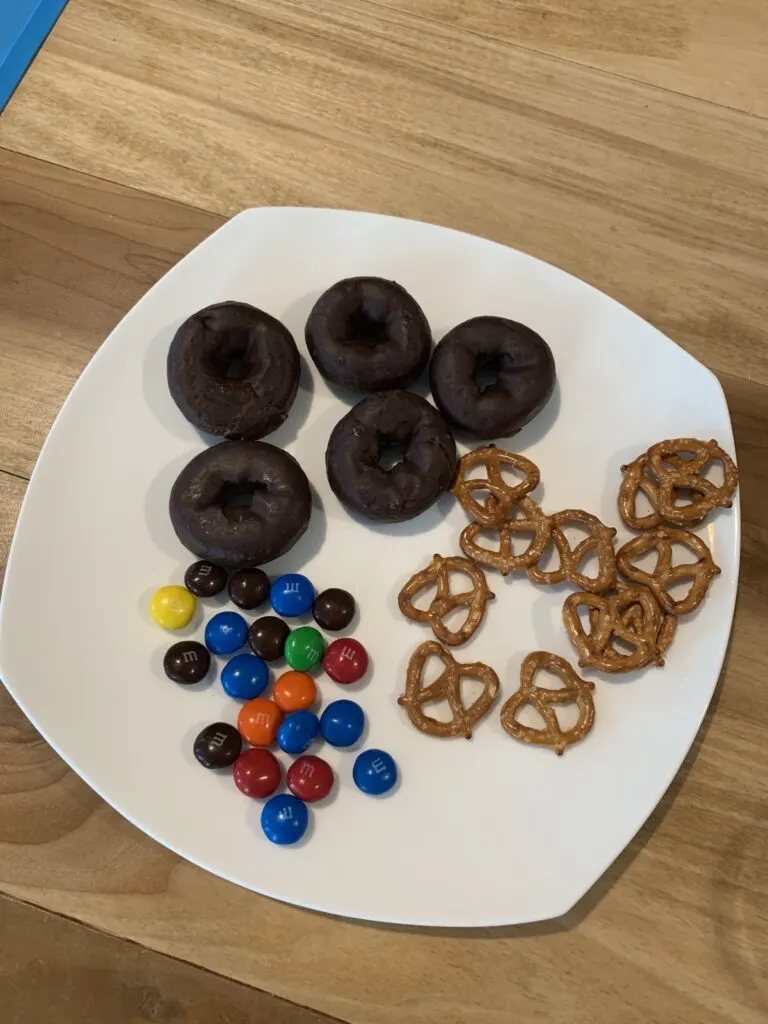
{"x": 186, "y": 662}
{"x": 218, "y": 745}
{"x": 249, "y": 588}
{"x": 334, "y": 609}
{"x": 204, "y": 579}
{"x": 267, "y": 637}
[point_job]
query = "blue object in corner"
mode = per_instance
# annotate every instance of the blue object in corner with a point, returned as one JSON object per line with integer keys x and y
{"x": 24, "y": 26}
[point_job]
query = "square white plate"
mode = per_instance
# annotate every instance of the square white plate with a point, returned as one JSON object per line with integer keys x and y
{"x": 487, "y": 832}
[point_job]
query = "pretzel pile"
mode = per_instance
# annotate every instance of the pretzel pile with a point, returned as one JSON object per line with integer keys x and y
{"x": 622, "y": 618}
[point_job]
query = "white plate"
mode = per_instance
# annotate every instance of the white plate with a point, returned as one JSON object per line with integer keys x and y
{"x": 486, "y": 832}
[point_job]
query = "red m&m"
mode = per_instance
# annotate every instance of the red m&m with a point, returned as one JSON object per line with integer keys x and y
{"x": 346, "y": 660}
{"x": 257, "y": 773}
{"x": 310, "y": 778}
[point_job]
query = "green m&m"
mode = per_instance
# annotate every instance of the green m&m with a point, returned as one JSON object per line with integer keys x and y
{"x": 304, "y": 648}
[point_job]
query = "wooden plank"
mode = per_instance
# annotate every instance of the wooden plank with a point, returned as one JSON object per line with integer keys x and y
{"x": 75, "y": 255}
{"x": 657, "y": 199}
{"x": 704, "y": 48}
{"x": 60, "y": 971}
{"x": 675, "y": 931}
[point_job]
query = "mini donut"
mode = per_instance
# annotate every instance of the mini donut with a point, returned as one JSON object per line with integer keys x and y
{"x": 353, "y": 458}
{"x": 240, "y": 504}
{"x": 518, "y": 357}
{"x": 368, "y": 334}
{"x": 233, "y": 371}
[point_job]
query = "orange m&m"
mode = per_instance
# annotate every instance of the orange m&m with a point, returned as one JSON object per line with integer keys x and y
{"x": 258, "y": 721}
{"x": 294, "y": 691}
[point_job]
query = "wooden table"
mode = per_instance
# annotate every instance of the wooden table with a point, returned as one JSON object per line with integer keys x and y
{"x": 626, "y": 142}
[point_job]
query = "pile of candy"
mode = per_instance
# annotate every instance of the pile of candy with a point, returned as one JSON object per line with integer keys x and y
{"x": 286, "y": 718}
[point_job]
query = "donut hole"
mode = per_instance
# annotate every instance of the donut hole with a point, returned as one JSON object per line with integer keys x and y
{"x": 368, "y": 324}
{"x": 232, "y": 357}
{"x": 487, "y": 369}
{"x": 236, "y": 500}
{"x": 391, "y": 453}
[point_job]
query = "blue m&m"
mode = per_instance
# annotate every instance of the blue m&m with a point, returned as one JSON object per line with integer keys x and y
{"x": 292, "y": 595}
{"x": 297, "y": 732}
{"x": 245, "y": 676}
{"x": 342, "y": 723}
{"x": 374, "y": 772}
{"x": 226, "y": 633}
{"x": 284, "y": 819}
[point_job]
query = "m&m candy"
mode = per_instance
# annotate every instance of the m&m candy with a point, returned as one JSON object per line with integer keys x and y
{"x": 304, "y": 648}
{"x": 267, "y": 637}
{"x": 204, "y": 579}
{"x": 292, "y": 595}
{"x": 249, "y": 588}
{"x": 226, "y": 633}
{"x": 374, "y": 772}
{"x": 346, "y": 660}
{"x": 310, "y": 778}
{"x": 342, "y": 723}
{"x": 218, "y": 745}
{"x": 259, "y": 721}
{"x": 294, "y": 691}
{"x": 245, "y": 676}
{"x": 284, "y": 819}
{"x": 297, "y": 732}
{"x": 334, "y": 609}
{"x": 172, "y": 607}
{"x": 257, "y": 773}
{"x": 186, "y": 662}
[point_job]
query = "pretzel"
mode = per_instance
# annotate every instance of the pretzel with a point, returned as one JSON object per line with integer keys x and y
{"x": 503, "y": 558}
{"x": 701, "y": 572}
{"x": 600, "y": 540}
{"x": 639, "y": 631}
{"x": 573, "y": 691}
{"x": 444, "y": 602}
{"x": 501, "y": 496}
{"x": 633, "y": 617}
{"x": 447, "y": 687}
{"x": 664, "y": 472}
{"x": 675, "y": 473}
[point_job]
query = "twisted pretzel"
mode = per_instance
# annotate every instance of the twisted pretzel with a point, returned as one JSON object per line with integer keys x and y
{"x": 447, "y": 687}
{"x": 444, "y": 602}
{"x": 701, "y": 572}
{"x": 573, "y": 691}
{"x": 501, "y": 496}
{"x": 609, "y": 623}
{"x": 600, "y": 540}
{"x": 664, "y": 473}
{"x": 633, "y": 617}
{"x": 533, "y": 521}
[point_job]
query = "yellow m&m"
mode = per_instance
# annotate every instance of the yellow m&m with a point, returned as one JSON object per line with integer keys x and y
{"x": 172, "y": 607}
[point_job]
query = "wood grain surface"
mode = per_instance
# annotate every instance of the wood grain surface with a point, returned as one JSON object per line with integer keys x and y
{"x": 169, "y": 120}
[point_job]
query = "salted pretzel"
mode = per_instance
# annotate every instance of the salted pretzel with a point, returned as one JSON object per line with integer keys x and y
{"x": 669, "y": 471}
{"x": 600, "y": 541}
{"x": 532, "y": 520}
{"x": 501, "y": 495}
{"x": 675, "y": 473}
{"x": 446, "y": 687}
{"x": 665, "y": 574}
{"x": 633, "y": 617}
{"x": 439, "y": 572}
{"x": 639, "y": 631}
{"x": 573, "y": 691}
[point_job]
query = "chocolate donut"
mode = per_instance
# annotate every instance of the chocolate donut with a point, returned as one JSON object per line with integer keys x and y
{"x": 518, "y": 367}
{"x": 368, "y": 334}
{"x": 361, "y": 442}
{"x": 233, "y": 370}
{"x": 240, "y": 503}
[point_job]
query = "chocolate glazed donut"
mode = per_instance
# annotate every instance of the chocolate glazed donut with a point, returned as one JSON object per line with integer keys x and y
{"x": 233, "y": 371}
{"x": 368, "y": 334}
{"x": 240, "y": 504}
{"x": 519, "y": 368}
{"x": 360, "y": 443}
